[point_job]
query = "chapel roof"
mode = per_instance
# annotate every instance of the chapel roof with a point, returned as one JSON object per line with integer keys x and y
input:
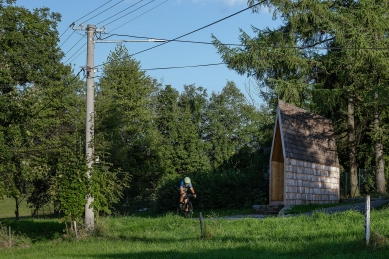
{"x": 307, "y": 136}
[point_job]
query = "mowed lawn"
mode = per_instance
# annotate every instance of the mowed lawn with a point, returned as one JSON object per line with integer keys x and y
{"x": 170, "y": 236}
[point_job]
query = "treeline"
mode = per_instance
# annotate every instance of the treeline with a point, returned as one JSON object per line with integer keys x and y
{"x": 155, "y": 133}
{"x": 145, "y": 133}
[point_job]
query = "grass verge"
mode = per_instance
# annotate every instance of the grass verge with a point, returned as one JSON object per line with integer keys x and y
{"x": 339, "y": 235}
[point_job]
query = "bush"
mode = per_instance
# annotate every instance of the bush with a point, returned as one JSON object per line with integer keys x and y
{"x": 224, "y": 189}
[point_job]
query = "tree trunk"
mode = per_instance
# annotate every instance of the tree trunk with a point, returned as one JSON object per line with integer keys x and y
{"x": 17, "y": 208}
{"x": 378, "y": 150}
{"x": 354, "y": 191}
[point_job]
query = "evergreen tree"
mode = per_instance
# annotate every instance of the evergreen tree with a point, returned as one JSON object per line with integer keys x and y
{"x": 125, "y": 136}
{"x": 285, "y": 60}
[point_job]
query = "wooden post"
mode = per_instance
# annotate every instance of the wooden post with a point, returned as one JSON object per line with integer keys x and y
{"x": 9, "y": 236}
{"x": 367, "y": 220}
{"x": 201, "y": 226}
{"x": 75, "y": 229}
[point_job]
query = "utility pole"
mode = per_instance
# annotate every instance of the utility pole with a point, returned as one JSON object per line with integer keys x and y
{"x": 90, "y": 116}
{"x": 90, "y": 111}
{"x": 90, "y": 119}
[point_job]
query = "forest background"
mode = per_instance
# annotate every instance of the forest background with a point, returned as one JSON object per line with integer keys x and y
{"x": 329, "y": 57}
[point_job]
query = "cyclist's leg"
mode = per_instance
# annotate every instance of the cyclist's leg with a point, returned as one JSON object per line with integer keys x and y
{"x": 190, "y": 207}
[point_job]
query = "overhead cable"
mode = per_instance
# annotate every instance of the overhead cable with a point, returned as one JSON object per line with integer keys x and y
{"x": 139, "y": 15}
{"x": 83, "y": 46}
{"x": 77, "y": 55}
{"x": 120, "y": 12}
{"x": 93, "y": 10}
{"x": 184, "y": 41}
{"x": 66, "y": 39}
{"x": 74, "y": 45}
{"x": 194, "y": 30}
{"x": 83, "y": 17}
{"x": 103, "y": 11}
{"x": 167, "y": 68}
{"x": 262, "y": 47}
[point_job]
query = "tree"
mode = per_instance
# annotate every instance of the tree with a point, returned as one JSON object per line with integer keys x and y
{"x": 231, "y": 125}
{"x": 180, "y": 119}
{"x": 125, "y": 136}
{"x": 30, "y": 73}
{"x": 285, "y": 59}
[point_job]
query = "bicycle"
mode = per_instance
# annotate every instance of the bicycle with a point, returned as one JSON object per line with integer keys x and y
{"x": 186, "y": 210}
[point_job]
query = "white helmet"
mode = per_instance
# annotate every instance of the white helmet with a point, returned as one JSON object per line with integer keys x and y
{"x": 187, "y": 180}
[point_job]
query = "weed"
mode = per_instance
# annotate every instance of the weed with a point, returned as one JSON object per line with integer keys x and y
{"x": 377, "y": 241}
{"x": 9, "y": 240}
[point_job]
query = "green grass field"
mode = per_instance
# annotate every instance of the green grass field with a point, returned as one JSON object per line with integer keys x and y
{"x": 7, "y": 210}
{"x": 170, "y": 236}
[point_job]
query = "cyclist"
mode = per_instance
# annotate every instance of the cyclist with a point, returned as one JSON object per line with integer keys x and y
{"x": 185, "y": 186}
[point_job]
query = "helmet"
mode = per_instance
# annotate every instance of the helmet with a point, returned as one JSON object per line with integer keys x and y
{"x": 187, "y": 180}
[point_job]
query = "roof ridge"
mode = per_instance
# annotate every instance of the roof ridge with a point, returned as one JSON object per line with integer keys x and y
{"x": 300, "y": 109}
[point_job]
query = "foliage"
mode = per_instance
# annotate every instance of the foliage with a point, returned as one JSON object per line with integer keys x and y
{"x": 125, "y": 136}
{"x": 106, "y": 187}
{"x": 328, "y": 57}
{"x": 229, "y": 188}
{"x": 70, "y": 186}
{"x": 30, "y": 76}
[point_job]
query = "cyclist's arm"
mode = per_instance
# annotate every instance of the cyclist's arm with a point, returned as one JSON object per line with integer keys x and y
{"x": 193, "y": 192}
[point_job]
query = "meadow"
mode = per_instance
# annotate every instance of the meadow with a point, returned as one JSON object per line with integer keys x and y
{"x": 322, "y": 235}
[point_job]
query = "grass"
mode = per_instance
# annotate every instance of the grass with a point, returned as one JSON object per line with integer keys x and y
{"x": 297, "y": 209}
{"x": 339, "y": 235}
{"x": 7, "y": 209}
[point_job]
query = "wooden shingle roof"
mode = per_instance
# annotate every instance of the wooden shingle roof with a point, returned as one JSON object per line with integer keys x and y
{"x": 307, "y": 136}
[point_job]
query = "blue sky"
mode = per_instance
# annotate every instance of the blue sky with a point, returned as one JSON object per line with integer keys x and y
{"x": 165, "y": 20}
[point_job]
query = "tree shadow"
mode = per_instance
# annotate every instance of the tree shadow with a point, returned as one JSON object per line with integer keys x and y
{"x": 37, "y": 231}
{"x": 313, "y": 250}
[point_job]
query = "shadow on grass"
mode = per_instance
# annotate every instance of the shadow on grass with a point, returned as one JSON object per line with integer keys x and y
{"x": 37, "y": 230}
{"x": 314, "y": 250}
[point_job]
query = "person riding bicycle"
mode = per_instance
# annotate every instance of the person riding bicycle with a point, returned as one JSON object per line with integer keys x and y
{"x": 185, "y": 186}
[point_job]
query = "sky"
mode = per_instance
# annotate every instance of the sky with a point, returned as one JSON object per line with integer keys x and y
{"x": 161, "y": 19}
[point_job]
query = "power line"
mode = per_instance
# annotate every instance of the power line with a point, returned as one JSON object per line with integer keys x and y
{"x": 83, "y": 46}
{"x": 65, "y": 30}
{"x": 83, "y": 17}
{"x": 131, "y": 12}
{"x": 78, "y": 55}
{"x": 184, "y": 41}
{"x": 66, "y": 39}
{"x": 175, "y": 67}
{"x": 195, "y": 30}
{"x": 104, "y": 11}
{"x": 139, "y": 15}
{"x": 93, "y": 10}
{"x": 263, "y": 47}
{"x": 192, "y": 66}
{"x": 120, "y": 12}
{"x": 74, "y": 45}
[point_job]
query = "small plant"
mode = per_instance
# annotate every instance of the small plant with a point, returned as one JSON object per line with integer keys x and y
{"x": 9, "y": 240}
{"x": 212, "y": 226}
{"x": 377, "y": 241}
